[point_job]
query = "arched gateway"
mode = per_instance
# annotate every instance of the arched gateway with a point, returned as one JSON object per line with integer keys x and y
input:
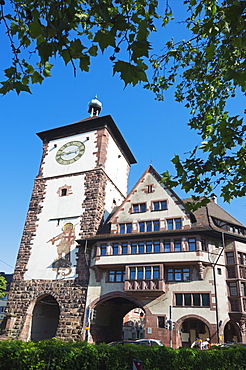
{"x": 106, "y": 317}
{"x": 45, "y": 318}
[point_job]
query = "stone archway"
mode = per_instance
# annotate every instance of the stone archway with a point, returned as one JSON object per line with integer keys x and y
{"x": 45, "y": 318}
{"x": 107, "y": 318}
{"x": 191, "y": 328}
{"x": 231, "y": 332}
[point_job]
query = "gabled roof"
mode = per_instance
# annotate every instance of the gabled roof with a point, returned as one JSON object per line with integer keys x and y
{"x": 202, "y": 220}
{"x": 152, "y": 171}
{"x": 213, "y": 210}
{"x": 205, "y": 216}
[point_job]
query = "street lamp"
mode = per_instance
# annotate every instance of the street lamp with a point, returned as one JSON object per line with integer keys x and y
{"x": 214, "y": 258}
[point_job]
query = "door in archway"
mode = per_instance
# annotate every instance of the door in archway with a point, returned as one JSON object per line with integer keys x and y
{"x": 231, "y": 333}
{"x": 191, "y": 329}
{"x": 45, "y": 318}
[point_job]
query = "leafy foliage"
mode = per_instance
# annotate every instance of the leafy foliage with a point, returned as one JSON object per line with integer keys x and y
{"x": 57, "y": 355}
{"x": 3, "y": 285}
{"x": 75, "y": 30}
{"x": 208, "y": 70}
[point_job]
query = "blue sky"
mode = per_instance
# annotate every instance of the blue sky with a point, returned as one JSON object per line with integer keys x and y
{"x": 154, "y": 131}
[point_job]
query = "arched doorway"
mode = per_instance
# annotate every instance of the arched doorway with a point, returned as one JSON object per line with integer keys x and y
{"x": 231, "y": 333}
{"x": 45, "y": 318}
{"x": 107, "y": 319}
{"x": 192, "y": 328}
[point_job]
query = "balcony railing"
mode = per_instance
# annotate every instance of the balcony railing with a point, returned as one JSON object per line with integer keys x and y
{"x": 152, "y": 287}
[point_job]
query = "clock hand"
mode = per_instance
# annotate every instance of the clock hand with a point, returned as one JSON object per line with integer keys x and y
{"x": 65, "y": 153}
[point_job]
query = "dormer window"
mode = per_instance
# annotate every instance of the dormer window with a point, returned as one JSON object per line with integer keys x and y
{"x": 139, "y": 207}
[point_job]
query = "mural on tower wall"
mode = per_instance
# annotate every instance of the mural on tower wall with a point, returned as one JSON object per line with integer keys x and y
{"x": 65, "y": 241}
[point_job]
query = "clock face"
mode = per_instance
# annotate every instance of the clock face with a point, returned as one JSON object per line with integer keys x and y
{"x": 70, "y": 152}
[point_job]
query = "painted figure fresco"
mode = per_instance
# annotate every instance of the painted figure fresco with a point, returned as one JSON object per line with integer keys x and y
{"x": 65, "y": 241}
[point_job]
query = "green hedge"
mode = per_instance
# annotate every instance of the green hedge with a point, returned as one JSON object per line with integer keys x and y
{"x": 57, "y": 355}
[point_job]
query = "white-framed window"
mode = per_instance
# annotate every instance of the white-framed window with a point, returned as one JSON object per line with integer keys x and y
{"x": 125, "y": 228}
{"x": 159, "y": 205}
{"x": 144, "y": 272}
{"x": 147, "y": 226}
{"x": 174, "y": 224}
{"x": 139, "y": 207}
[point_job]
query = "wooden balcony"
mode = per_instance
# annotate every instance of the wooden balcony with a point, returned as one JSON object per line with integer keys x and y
{"x": 152, "y": 287}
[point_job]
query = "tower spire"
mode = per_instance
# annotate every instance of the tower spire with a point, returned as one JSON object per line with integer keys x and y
{"x": 95, "y": 107}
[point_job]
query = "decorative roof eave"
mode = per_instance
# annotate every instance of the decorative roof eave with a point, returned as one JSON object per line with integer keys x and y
{"x": 86, "y": 125}
{"x": 208, "y": 231}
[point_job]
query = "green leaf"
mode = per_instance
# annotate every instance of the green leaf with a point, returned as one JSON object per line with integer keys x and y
{"x": 6, "y": 87}
{"x": 104, "y": 39}
{"x": 93, "y": 50}
{"x": 140, "y": 49}
{"x": 66, "y": 55}
{"x": 9, "y": 72}
{"x": 36, "y": 77}
{"x": 18, "y": 87}
{"x": 210, "y": 51}
{"x": 45, "y": 51}
{"x": 129, "y": 73}
{"x": 35, "y": 29}
{"x": 84, "y": 63}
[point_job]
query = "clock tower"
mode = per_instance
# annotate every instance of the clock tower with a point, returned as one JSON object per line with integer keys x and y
{"x": 83, "y": 175}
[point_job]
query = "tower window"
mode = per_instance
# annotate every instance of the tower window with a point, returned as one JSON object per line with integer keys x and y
{"x": 63, "y": 192}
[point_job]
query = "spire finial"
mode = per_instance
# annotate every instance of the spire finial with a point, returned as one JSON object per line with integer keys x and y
{"x": 95, "y": 107}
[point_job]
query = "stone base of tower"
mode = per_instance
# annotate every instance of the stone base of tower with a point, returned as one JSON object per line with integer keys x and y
{"x": 41, "y": 309}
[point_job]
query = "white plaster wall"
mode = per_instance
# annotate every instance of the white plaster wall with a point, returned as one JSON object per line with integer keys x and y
{"x": 112, "y": 194}
{"x": 66, "y": 206}
{"x": 161, "y": 304}
{"x": 86, "y": 162}
{"x": 67, "y": 209}
{"x": 116, "y": 167}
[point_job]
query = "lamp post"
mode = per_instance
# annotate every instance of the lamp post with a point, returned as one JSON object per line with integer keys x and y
{"x": 214, "y": 258}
